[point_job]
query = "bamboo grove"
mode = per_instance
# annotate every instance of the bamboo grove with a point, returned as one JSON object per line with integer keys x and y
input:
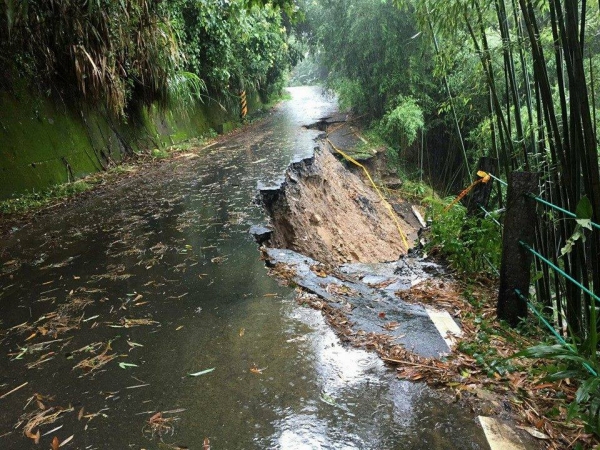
{"x": 120, "y": 55}
{"x": 538, "y": 60}
{"x": 515, "y": 80}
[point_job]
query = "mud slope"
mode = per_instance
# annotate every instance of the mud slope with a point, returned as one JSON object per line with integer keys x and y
{"x": 324, "y": 211}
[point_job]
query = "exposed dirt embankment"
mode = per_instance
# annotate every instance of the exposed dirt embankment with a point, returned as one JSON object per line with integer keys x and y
{"x": 324, "y": 211}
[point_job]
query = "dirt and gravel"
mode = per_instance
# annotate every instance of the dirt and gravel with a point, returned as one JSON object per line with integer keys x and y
{"x": 327, "y": 212}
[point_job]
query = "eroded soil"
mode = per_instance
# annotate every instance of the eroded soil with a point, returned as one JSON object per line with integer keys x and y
{"x": 327, "y": 212}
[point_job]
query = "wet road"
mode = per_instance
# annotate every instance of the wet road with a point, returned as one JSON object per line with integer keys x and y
{"x": 108, "y": 307}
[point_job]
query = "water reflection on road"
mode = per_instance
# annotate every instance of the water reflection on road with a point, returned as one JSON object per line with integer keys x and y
{"x": 170, "y": 250}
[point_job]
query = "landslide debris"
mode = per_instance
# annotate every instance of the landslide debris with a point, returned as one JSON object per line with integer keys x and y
{"x": 324, "y": 211}
{"x": 332, "y": 237}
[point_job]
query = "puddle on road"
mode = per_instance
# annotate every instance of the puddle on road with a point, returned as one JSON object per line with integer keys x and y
{"x": 163, "y": 268}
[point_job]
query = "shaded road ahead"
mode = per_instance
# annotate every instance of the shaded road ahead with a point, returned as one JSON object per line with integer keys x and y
{"x": 108, "y": 307}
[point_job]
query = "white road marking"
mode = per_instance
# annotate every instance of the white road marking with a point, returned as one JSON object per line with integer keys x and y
{"x": 446, "y": 325}
{"x": 499, "y": 435}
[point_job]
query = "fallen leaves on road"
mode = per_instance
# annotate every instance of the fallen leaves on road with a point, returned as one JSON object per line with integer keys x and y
{"x": 34, "y": 420}
{"x": 124, "y": 365}
{"x": 390, "y": 326}
{"x": 522, "y": 390}
{"x": 218, "y": 259}
{"x": 88, "y": 365}
{"x": 319, "y": 271}
{"x": 256, "y": 370}
{"x": 133, "y": 345}
{"x": 282, "y": 271}
{"x": 158, "y": 425}
{"x": 202, "y": 372}
{"x": 14, "y": 390}
{"x": 340, "y": 289}
{"x": 130, "y": 323}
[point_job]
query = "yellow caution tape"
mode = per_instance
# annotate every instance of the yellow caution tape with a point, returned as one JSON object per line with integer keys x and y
{"x": 485, "y": 177}
{"x": 385, "y": 202}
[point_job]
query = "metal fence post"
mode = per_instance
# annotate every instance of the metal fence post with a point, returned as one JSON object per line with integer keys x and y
{"x": 519, "y": 225}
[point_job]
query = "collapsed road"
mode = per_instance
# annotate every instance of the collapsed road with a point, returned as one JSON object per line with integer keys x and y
{"x": 143, "y": 317}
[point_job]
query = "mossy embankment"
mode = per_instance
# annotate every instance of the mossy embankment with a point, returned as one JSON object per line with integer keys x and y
{"x": 43, "y": 143}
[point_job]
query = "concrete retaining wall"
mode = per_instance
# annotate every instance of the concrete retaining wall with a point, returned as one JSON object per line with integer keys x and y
{"x": 42, "y": 143}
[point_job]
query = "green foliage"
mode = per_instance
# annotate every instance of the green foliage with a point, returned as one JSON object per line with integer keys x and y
{"x": 384, "y": 68}
{"x": 483, "y": 347}
{"x": 394, "y": 162}
{"x": 185, "y": 89}
{"x": 125, "y": 54}
{"x": 104, "y": 52}
{"x": 470, "y": 244}
{"x": 480, "y": 138}
{"x": 401, "y": 124}
{"x": 575, "y": 363}
{"x": 584, "y": 213}
{"x": 159, "y": 153}
{"x": 308, "y": 72}
{"x": 371, "y": 51}
{"x": 211, "y": 134}
{"x": 350, "y": 93}
{"x": 485, "y": 354}
{"x": 414, "y": 190}
{"x": 234, "y": 46}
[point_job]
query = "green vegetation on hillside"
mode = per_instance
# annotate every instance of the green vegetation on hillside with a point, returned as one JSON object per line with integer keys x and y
{"x": 122, "y": 55}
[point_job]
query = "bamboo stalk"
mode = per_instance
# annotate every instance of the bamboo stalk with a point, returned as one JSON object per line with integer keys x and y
{"x": 14, "y": 390}
{"x": 397, "y": 361}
